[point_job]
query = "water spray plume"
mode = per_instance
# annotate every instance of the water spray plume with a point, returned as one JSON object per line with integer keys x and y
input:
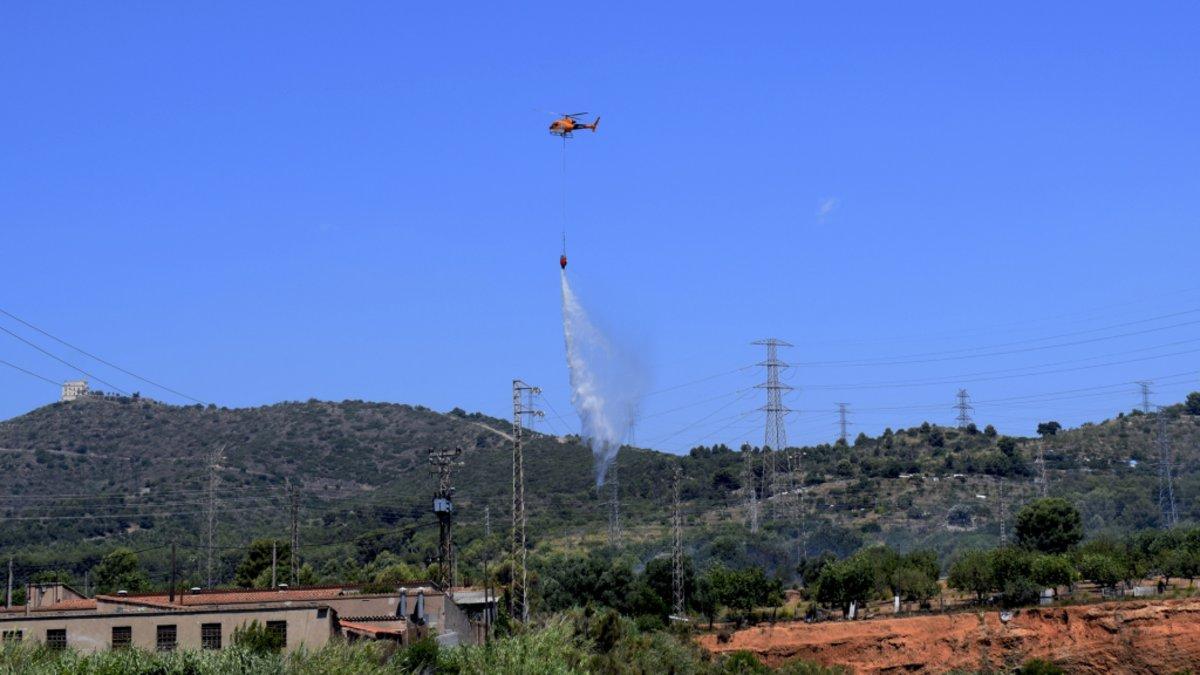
{"x": 605, "y": 383}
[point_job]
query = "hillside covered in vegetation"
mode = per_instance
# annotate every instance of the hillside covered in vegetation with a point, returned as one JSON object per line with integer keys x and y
{"x": 86, "y": 476}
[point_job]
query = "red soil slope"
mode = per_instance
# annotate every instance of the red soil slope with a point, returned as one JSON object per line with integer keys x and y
{"x": 1121, "y": 637}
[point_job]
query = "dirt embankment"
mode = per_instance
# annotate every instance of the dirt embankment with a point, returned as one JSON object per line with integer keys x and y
{"x": 1126, "y": 637}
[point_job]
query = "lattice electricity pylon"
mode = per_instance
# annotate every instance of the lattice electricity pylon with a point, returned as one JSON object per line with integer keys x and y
{"x": 750, "y": 484}
{"x": 1040, "y": 479}
{"x": 843, "y": 423}
{"x": 614, "y": 505}
{"x": 443, "y": 462}
{"x": 518, "y": 594}
{"x": 1144, "y": 387}
{"x": 1166, "y": 481}
{"x": 677, "y": 589}
{"x": 775, "y": 428}
{"x": 964, "y": 408}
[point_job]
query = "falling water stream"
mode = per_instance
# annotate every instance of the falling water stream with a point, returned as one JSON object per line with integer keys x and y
{"x": 605, "y": 383}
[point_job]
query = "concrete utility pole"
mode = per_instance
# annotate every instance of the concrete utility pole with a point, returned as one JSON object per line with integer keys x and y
{"x": 487, "y": 522}
{"x": 1166, "y": 481}
{"x": 294, "y": 503}
{"x": 518, "y": 594}
{"x": 677, "y": 595}
{"x": 274, "y": 562}
{"x": 775, "y": 429}
{"x": 171, "y": 591}
{"x": 8, "y": 597}
{"x": 964, "y": 409}
{"x": 214, "y": 460}
{"x": 443, "y": 462}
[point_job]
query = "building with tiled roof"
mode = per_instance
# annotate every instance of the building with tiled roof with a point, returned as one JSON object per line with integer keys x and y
{"x": 60, "y": 616}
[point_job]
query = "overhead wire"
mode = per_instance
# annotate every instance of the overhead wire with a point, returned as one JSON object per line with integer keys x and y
{"x": 30, "y": 373}
{"x": 92, "y": 356}
{"x": 63, "y": 361}
{"x": 911, "y": 359}
{"x": 992, "y": 329}
{"x": 973, "y": 377}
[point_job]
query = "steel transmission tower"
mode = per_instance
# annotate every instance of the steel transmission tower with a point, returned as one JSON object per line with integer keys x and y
{"x": 614, "y": 506}
{"x": 842, "y": 422}
{"x": 214, "y": 460}
{"x": 443, "y": 462}
{"x": 677, "y": 606}
{"x": 520, "y": 577}
{"x": 1040, "y": 479}
{"x": 964, "y": 409}
{"x": 1144, "y": 386}
{"x": 1002, "y": 506}
{"x": 751, "y": 489}
{"x": 775, "y": 431}
{"x": 1166, "y": 482}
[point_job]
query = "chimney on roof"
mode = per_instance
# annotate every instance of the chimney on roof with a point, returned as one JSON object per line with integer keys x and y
{"x": 283, "y": 587}
{"x": 122, "y": 592}
{"x": 194, "y": 589}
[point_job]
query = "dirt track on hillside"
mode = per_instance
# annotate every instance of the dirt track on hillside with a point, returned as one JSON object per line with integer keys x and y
{"x": 1122, "y": 637}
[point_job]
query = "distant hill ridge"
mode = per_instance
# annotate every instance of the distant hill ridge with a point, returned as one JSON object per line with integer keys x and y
{"x": 111, "y": 469}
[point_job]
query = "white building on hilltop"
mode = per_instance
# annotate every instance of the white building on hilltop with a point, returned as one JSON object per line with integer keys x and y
{"x": 73, "y": 389}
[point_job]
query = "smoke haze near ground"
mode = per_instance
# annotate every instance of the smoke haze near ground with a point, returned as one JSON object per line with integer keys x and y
{"x": 606, "y": 383}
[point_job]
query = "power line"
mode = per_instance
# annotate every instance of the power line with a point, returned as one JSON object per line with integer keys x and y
{"x": 97, "y": 358}
{"x": 1068, "y": 318}
{"x": 31, "y": 373}
{"x": 64, "y": 361}
{"x": 663, "y": 439}
{"x": 944, "y": 355}
{"x": 971, "y": 377}
{"x": 698, "y": 381}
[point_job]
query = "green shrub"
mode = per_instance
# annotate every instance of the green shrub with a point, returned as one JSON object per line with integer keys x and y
{"x": 742, "y": 663}
{"x": 1040, "y": 667}
{"x": 257, "y": 638}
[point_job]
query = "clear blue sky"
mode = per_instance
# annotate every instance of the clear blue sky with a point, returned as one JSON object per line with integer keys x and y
{"x": 255, "y": 202}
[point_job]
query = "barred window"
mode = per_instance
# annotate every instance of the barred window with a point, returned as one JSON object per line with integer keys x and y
{"x": 122, "y": 637}
{"x": 279, "y": 628}
{"x": 210, "y": 636}
{"x": 56, "y": 638}
{"x": 14, "y": 635}
{"x": 164, "y": 638}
